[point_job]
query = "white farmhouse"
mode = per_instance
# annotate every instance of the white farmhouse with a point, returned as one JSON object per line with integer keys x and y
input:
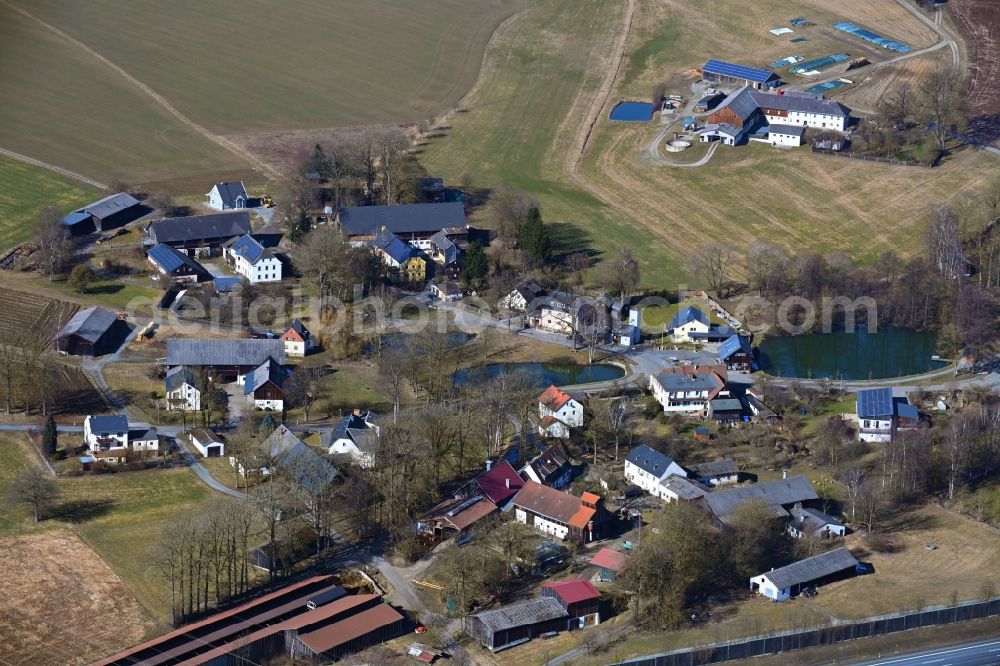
{"x": 182, "y": 390}
{"x": 522, "y": 296}
{"x": 145, "y": 440}
{"x": 806, "y": 522}
{"x": 355, "y": 437}
{"x": 799, "y": 108}
{"x": 880, "y": 416}
{"x": 687, "y": 321}
{"x": 558, "y": 514}
{"x": 785, "y": 135}
{"x": 228, "y": 196}
{"x": 558, "y": 411}
{"x": 647, "y": 469}
{"x": 103, "y": 433}
{"x": 687, "y": 392}
{"x": 252, "y": 260}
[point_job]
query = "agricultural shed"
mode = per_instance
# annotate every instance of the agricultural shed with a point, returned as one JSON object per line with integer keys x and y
{"x": 230, "y": 359}
{"x": 410, "y": 222}
{"x": 203, "y": 234}
{"x": 517, "y": 623}
{"x": 107, "y": 213}
{"x": 175, "y": 264}
{"x": 91, "y": 332}
{"x": 719, "y": 71}
{"x": 786, "y": 582}
{"x": 775, "y": 494}
{"x": 611, "y": 563}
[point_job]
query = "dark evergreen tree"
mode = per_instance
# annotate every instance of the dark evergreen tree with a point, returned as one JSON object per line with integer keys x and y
{"x": 535, "y": 240}
{"x": 475, "y": 264}
{"x": 267, "y": 425}
{"x": 50, "y": 437}
{"x": 318, "y": 163}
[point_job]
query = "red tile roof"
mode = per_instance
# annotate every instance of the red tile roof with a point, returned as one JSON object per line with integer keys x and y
{"x": 583, "y": 516}
{"x": 609, "y": 559}
{"x": 500, "y": 483}
{"x": 346, "y": 630}
{"x": 553, "y": 504}
{"x": 573, "y": 591}
{"x": 553, "y": 398}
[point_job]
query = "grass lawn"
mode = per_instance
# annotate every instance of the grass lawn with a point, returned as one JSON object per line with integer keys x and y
{"x": 14, "y": 459}
{"x": 655, "y": 317}
{"x": 25, "y": 190}
{"x": 121, "y": 516}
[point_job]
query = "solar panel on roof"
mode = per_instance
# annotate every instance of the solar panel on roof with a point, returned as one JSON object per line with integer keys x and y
{"x": 165, "y": 257}
{"x": 875, "y": 402}
{"x": 737, "y": 71}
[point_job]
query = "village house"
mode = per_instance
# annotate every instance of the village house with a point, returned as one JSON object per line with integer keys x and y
{"x": 688, "y": 389}
{"x": 282, "y": 449}
{"x": 91, "y": 332}
{"x": 728, "y": 73}
{"x": 610, "y": 563}
{"x": 735, "y": 353}
{"x": 447, "y": 291}
{"x": 228, "y": 196}
{"x": 296, "y": 339}
{"x": 559, "y": 514}
{"x": 715, "y": 473}
{"x": 355, "y": 437}
{"x": 226, "y": 360}
{"x": 813, "y": 523}
{"x": 414, "y": 224}
{"x": 401, "y": 257}
{"x": 579, "y": 598}
{"x": 108, "y": 213}
{"x": 561, "y": 606}
{"x": 523, "y": 295}
{"x": 777, "y": 496}
{"x": 176, "y": 265}
{"x": 144, "y": 441}
{"x": 264, "y": 386}
{"x": 786, "y": 582}
{"x": 725, "y": 409}
{"x": 447, "y": 254}
{"x": 208, "y": 443}
{"x": 687, "y": 321}
{"x": 558, "y": 411}
{"x": 647, "y": 468}
{"x": 199, "y": 235}
{"x": 776, "y": 118}
{"x": 487, "y": 493}
{"x": 182, "y": 390}
{"x": 108, "y": 438}
{"x": 680, "y": 489}
{"x": 252, "y": 260}
{"x": 880, "y": 415}
{"x": 550, "y": 468}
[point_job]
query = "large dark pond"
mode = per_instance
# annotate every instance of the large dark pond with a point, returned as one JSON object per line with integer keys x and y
{"x": 858, "y": 356}
{"x": 543, "y": 374}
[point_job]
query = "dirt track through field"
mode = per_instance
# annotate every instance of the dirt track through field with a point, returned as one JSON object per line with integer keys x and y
{"x": 159, "y": 99}
{"x": 52, "y": 167}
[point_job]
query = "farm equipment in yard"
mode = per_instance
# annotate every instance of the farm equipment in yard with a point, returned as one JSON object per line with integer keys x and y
{"x": 266, "y": 201}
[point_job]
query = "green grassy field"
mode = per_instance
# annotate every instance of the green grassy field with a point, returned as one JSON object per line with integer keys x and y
{"x": 121, "y": 516}
{"x": 543, "y": 70}
{"x": 240, "y": 68}
{"x": 25, "y": 190}
{"x": 13, "y": 460}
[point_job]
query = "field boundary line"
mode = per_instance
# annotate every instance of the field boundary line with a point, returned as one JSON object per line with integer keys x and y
{"x": 52, "y": 167}
{"x": 159, "y": 99}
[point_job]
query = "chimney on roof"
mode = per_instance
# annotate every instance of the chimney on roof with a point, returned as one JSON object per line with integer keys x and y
{"x": 489, "y": 464}
{"x": 784, "y": 473}
{"x": 357, "y": 411}
{"x": 507, "y": 481}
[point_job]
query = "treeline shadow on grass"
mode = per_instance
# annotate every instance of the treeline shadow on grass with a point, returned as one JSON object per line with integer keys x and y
{"x": 83, "y": 510}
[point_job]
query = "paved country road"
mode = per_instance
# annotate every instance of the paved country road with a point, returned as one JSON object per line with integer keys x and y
{"x": 980, "y": 653}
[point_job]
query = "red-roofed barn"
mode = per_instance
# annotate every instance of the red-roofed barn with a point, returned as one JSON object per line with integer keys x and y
{"x": 579, "y": 597}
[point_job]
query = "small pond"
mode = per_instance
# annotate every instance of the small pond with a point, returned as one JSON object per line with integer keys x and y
{"x": 542, "y": 374}
{"x": 633, "y": 112}
{"x": 852, "y": 356}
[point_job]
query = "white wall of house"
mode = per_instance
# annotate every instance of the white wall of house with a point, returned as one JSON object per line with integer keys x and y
{"x": 873, "y": 430}
{"x": 778, "y": 139}
{"x": 543, "y": 525}
{"x": 818, "y": 120}
{"x": 119, "y": 440}
{"x": 273, "y": 405}
{"x": 679, "y": 401}
{"x": 215, "y": 201}
{"x": 571, "y": 413}
{"x": 683, "y": 332}
{"x": 145, "y": 444}
{"x": 203, "y": 447}
{"x": 514, "y": 301}
{"x": 555, "y": 321}
{"x": 184, "y": 397}
{"x": 768, "y": 589}
{"x": 266, "y": 269}
{"x": 560, "y": 430}
{"x": 345, "y": 446}
{"x": 295, "y": 348}
{"x": 648, "y": 482}
{"x": 830, "y": 528}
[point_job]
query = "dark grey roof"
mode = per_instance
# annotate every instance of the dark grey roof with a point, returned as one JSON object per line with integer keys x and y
{"x": 198, "y": 227}
{"x": 196, "y": 352}
{"x": 800, "y": 102}
{"x": 106, "y": 424}
{"x": 89, "y": 324}
{"x": 790, "y": 130}
{"x": 688, "y": 314}
{"x": 740, "y": 102}
{"x": 171, "y": 259}
{"x": 776, "y": 494}
{"x": 677, "y": 381}
{"x": 733, "y": 344}
{"x": 529, "y": 290}
{"x": 725, "y": 467}
{"x": 402, "y": 219}
{"x": 812, "y": 520}
{"x": 300, "y": 328}
{"x": 650, "y": 461}
{"x": 307, "y": 467}
{"x": 725, "y": 405}
{"x": 522, "y": 613}
{"x": 268, "y": 371}
{"x": 812, "y": 568}
{"x": 144, "y": 435}
{"x": 683, "y": 488}
{"x": 229, "y": 192}
{"x": 110, "y": 205}
{"x": 177, "y": 377}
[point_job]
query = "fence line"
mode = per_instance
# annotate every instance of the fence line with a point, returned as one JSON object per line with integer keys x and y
{"x": 835, "y": 632}
{"x": 872, "y": 158}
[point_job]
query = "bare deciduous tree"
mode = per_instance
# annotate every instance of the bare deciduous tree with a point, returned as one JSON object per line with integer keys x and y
{"x": 35, "y": 489}
{"x": 711, "y": 263}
